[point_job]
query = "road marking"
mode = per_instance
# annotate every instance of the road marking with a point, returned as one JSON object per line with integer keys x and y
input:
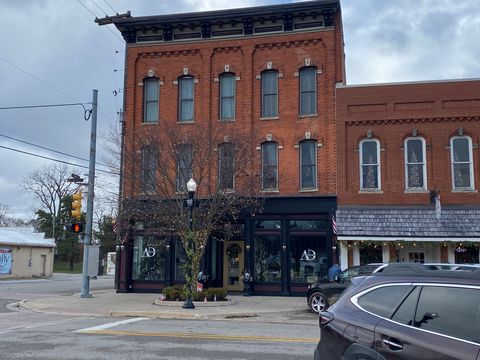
{"x": 30, "y": 326}
{"x": 202, "y": 336}
{"x": 109, "y": 325}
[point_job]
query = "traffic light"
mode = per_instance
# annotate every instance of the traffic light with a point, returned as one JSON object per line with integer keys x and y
{"x": 77, "y": 228}
{"x": 77, "y": 205}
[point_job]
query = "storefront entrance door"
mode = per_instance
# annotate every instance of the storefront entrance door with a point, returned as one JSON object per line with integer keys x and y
{"x": 233, "y": 263}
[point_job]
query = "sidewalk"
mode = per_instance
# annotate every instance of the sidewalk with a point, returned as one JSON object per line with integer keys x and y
{"x": 110, "y": 303}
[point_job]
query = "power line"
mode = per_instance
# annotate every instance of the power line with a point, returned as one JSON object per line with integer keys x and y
{"x": 38, "y": 79}
{"x": 57, "y": 160}
{"x": 38, "y": 106}
{"x": 52, "y": 150}
{"x": 110, "y": 6}
{"x": 98, "y": 7}
{"x": 91, "y": 12}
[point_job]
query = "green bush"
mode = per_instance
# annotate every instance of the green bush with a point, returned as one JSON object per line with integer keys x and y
{"x": 173, "y": 293}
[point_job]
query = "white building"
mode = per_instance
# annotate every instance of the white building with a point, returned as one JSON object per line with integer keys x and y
{"x": 25, "y": 254}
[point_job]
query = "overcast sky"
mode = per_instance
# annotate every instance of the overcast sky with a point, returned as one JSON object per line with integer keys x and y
{"x": 52, "y": 52}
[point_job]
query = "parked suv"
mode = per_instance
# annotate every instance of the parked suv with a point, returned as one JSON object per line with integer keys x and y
{"x": 324, "y": 293}
{"x": 405, "y": 311}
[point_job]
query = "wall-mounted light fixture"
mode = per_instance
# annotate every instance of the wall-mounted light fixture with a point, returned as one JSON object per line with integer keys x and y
{"x": 247, "y": 247}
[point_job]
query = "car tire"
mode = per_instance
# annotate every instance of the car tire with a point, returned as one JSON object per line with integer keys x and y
{"x": 317, "y": 302}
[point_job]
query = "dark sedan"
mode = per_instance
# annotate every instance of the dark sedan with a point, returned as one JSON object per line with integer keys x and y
{"x": 324, "y": 293}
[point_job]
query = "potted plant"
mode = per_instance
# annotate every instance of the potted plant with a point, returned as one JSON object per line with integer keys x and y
{"x": 247, "y": 282}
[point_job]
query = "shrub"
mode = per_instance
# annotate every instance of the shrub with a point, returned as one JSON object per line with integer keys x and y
{"x": 173, "y": 293}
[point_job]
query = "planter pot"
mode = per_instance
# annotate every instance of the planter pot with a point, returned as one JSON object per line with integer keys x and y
{"x": 247, "y": 288}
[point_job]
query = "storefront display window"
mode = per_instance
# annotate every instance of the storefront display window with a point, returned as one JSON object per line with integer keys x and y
{"x": 308, "y": 258}
{"x": 267, "y": 258}
{"x": 149, "y": 257}
{"x": 465, "y": 254}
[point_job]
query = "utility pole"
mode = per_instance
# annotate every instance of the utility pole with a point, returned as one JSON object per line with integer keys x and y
{"x": 87, "y": 240}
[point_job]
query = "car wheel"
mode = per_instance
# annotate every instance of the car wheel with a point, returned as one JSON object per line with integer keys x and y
{"x": 317, "y": 302}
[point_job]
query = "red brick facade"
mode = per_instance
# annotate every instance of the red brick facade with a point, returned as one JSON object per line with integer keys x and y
{"x": 247, "y": 58}
{"x": 391, "y": 113}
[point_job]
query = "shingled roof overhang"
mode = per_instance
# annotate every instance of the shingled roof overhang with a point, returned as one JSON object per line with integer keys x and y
{"x": 409, "y": 224}
{"x": 127, "y": 24}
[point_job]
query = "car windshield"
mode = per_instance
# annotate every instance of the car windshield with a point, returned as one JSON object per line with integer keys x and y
{"x": 353, "y": 271}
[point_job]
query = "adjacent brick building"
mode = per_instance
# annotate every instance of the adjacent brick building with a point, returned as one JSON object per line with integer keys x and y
{"x": 408, "y": 172}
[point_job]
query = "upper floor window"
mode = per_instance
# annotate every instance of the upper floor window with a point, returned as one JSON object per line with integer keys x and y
{"x": 308, "y": 165}
{"x": 269, "y": 93}
{"x": 150, "y": 100}
{"x": 370, "y": 165}
{"x": 415, "y": 164}
{"x": 149, "y": 170}
{"x": 270, "y": 165}
{"x": 185, "y": 102}
{"x": 462, "y": 165}
{"x": 227, "y": 96}
{"x": 226, "y": 163}
{"x": 184, "y": 159}
{"x": 308, "y": 90}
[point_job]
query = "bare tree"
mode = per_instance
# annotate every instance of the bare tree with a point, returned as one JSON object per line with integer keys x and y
{"x": 3, "y": 214}
{"x": 157, "y": 169}
{"x": 49, "y": 185}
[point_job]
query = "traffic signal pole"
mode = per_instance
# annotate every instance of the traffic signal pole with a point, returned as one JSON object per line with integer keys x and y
{"x": 87, "y": 240}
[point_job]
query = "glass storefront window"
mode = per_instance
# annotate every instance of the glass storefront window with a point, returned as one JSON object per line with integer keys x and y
{"x": 267, "y": 258}
{"x": 268, "y": 224}
{"x": 180, "y": 260}
{"x": 306, "y": 225}
{"x": 149, "y": 257}
{"x": 308, "y": 258}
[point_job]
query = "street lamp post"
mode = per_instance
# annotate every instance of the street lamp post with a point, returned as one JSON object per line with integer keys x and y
{"x": 191, "y": 188}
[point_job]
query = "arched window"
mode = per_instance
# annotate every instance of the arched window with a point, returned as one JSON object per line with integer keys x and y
{"x": 269, "y": 166}
{"x": 150, "y": 99}
{"x": 462, "y": 162}
{"x": 308, "y": 165}
{"x": 269, "y": 93}
{"x": 370, "y": 178}
{"x": 227, "y": 96}
{"x": 186, "y": 96}
{"x": 226, "y": 165}
{"x": 415, "y": 164}
{"x": 308, "y": 90}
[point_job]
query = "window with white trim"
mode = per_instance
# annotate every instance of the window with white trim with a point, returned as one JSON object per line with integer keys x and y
{"x": 186, "y": 96}
{"x": 150, "y": 100}
{"x": 308, "y": 90}
{"x": 370, "y": 165}
{"x": 415, "y": 164}
{"x": 462, "y": 163}
{"x": 269, "y": 166}
{"x": 226, "y": 163}
{"x": 227, "y": 96}
{"x": 308, "y": 165}
{"x": 269, "y": 93}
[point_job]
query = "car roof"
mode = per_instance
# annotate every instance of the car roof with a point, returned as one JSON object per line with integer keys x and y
{"x": 429, "y": 270}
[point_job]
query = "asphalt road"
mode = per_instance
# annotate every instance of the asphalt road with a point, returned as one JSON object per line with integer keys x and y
{"x": 28, "y": 335}
{"x": 36, "y": 336}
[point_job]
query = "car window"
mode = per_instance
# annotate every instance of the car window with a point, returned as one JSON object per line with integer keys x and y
{"x": 356, "y": 271}
{"x": 406, "y": 311}
{"x": 384, "y": 300}
{"x": 450, "y": 311}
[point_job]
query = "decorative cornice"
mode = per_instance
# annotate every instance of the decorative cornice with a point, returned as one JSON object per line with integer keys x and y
{"x": 412, "y": 120}
{"x": 168, "y": 53}
{"x": 226, "y": 49}
{"x": 287, "y": 44}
